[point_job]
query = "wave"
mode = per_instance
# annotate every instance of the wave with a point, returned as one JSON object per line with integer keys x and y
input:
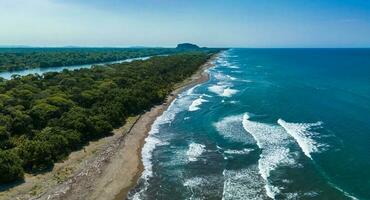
{"x": 343, "y": 191}
{"x": 202, "y": 187}
{"x": 225, "y": 63}
{"x": 194, "y": 184}
{"x": 196, "y": 103}
{"x": 233, "y": 66}
{"x": 152, "y": 141}
{"x": 217, "y": 89}
{"x": 191, "y": 90}
{"x": 243, "y": 151}
{"x": 243, "y": 184}
{"x": 273, "y": 142}
{"x": 195, "y": 150}
{"x": 228, "y": 92}
{"x": 231, "y": 128}
{"x": 223, "y": 90}
{"x": 224, "y": 77}
{"x": 302, "y": 135}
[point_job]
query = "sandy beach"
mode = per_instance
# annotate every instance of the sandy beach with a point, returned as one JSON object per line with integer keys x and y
{"x": 105, "y": 169}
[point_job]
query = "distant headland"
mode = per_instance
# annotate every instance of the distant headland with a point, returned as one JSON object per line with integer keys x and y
{"x": 187, "y": 46}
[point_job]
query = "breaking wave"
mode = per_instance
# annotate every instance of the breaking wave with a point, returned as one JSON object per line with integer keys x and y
{"x": 243, "y": 184}
{"x": 302, "y": 135}
{"x": 231, "y": 128}
{"x": 223, "y": 77}
{"x": 195, "y": 150}
{"x": 273, "y": 142}
{"x": 222, "y": 90}
{"x": 196, "y": 103}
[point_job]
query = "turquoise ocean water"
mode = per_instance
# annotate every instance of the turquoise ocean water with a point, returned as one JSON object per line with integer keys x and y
{"x": 269, "y": 124}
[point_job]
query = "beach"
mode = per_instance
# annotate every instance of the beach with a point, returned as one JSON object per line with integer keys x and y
{"x": 107, "y": 168}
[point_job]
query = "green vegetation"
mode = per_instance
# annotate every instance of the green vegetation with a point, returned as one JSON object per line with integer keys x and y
{"x": 44, "y": 118}
{"x": 187, "y": 46}
{"x": 12, "y": 59}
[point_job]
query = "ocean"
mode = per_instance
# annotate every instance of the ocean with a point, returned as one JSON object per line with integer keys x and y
{"x": 269, "y": 124}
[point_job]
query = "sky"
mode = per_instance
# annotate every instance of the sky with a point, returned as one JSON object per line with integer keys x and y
{"x": 164, "y": 23}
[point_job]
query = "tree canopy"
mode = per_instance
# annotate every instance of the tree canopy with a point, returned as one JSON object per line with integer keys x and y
{"x": 24, "y": 58}
{"x": 44, "y": 118}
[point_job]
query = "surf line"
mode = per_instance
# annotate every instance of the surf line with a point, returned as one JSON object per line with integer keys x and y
{"x": 300, "y": 133}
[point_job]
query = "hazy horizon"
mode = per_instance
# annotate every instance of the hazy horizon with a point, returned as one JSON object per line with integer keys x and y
{"x": 164, "y": 23}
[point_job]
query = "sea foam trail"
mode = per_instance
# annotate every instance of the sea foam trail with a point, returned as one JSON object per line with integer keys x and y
{"x": 273, "y": 141}
{"x": 152, "y": 141}
{"x": 231, "y": 128}
{"x": 223, "y": 77}
{"x": 195, "y": 150}
{"x": 196, "y": 103}
{"x": 222, "y": 90}
{"x": 302, "y": 135}
{"x": 243, "y": 184}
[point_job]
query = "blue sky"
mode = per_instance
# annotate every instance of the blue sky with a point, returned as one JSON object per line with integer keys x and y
{"x": 216, "y": 23}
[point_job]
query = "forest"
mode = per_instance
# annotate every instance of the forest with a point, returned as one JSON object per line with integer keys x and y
{"x": 44, "y": 118}
{"x": 12, "y": 59}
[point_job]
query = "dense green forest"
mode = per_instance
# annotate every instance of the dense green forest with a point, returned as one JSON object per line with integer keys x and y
{"x": 12, "y": 59}
{"x": 44, "y": 118}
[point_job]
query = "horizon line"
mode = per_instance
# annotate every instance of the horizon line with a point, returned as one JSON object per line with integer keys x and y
{"x": 165, "y": 46}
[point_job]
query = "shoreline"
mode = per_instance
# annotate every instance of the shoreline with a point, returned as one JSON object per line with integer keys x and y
{"x": 107, "y": 168}
{"x": 200, "y": 76}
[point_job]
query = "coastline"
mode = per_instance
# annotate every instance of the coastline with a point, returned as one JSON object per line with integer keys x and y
{"x": 104, "y": 169}
{"x": 200, "y": 76}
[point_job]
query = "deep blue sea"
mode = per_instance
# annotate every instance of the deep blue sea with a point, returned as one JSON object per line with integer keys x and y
{"x": 269, "y": 124}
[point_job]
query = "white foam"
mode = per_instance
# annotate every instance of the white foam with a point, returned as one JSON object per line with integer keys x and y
{"x": 217, "y": 89}
{"x": 195, "y": 150}
{"x": 343, "y": 191}
{"x": 193, "y": 182}
{"x": 222, "y": 90}
{"x": 273, "y": 141}
{"x": 302, "y": 135}
{"x": 228, "y": 92}
{"x": 202, "y": 187}
{"x": 223, "y": 77}
{"x": 243, "y": 151}
{"x": 230, "y": 127}
{"x": 152, "y": 141}
{"x": 196, "y": 103}
{"x": 243, "y": 184}
{"x": 191, "y": 90}
{"x": 222, "y": 60}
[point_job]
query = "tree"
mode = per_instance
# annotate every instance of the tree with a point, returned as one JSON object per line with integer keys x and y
{"x": 35, "y": 154}
{"x": 10, "y": 166}
{"x": 44, "y": 118}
